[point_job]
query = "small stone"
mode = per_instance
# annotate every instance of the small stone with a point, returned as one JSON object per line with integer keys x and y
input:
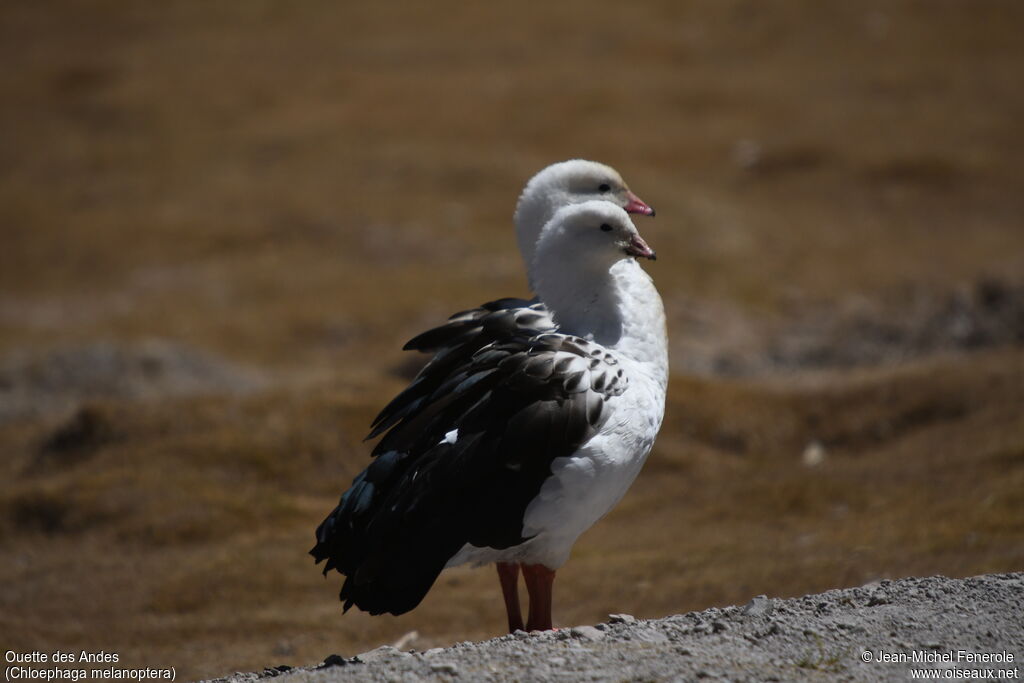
{"x": 382, "y": 652}
{"x": 758, "y": 606}
{"x": 813, "y": 455}
{"x": 621, "y": 619}
{"x": 336, "y": 660}
{"x": 557, "y": 661}
{"x": 433, "y": 651}
{"x": 406, "y": 641}
{"x": 587, "y": 633}
{"x": 445, "y": 668}
{"x": 648, "y": 635}
{"x": 719, "y": 626}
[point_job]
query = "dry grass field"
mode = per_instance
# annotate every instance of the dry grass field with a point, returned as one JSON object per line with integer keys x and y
{"x": 220, "y": 221}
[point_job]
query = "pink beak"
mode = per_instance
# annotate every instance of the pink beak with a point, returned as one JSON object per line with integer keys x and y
{"x": 637, "y": 247}
{"x": 636, "y": 205}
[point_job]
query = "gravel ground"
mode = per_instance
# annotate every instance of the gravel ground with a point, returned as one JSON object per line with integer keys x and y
{"x": 961, "y": 629}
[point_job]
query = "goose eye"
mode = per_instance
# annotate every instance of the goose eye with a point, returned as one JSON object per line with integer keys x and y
{"x": 606, "y": 228}
{"x": 603, "y": 187}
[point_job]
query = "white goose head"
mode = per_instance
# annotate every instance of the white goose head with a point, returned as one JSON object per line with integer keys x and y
{"x": 562, "y": 184}
{"x": 573, "y": 267}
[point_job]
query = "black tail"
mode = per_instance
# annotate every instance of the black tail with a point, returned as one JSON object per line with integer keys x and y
{"x": 390, "y": 536}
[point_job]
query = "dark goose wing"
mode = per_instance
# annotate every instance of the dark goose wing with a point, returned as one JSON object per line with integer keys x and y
{"x": 517, "y": 404}
{"x": 454, "y": 344}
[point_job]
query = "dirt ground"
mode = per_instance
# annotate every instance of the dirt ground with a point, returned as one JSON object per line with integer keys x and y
{"x": 883, "y": 631}
{"x": 219, "y": 223}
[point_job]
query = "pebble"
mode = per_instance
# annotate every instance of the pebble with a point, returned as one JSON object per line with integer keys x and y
{"x": 334, "y": 660}
{"x": 758, "y": 606}
{"x": 621, "y": 619}
{"x": 587, "y": 633}
{"x": 445, "y": 668}
{"x": 382, "y": 652}
{"x": 813, "y": 454}
{"x": 406, "y": 641}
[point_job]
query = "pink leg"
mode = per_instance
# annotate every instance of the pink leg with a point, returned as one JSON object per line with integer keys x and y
{"x": 508, "y": 575}
{"x": 539, "y": 580}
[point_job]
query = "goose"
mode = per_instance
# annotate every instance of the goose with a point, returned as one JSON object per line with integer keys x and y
{"x": 508, "y": 454}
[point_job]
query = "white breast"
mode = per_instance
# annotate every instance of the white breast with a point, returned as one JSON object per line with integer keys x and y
{"x": 586, "y": 485}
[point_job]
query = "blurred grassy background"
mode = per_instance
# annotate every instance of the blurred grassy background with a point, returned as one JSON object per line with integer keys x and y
{"x": 220, "y": 221}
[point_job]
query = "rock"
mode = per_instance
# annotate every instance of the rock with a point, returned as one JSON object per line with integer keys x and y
{"x": 621, "y": 619}
{"x": 406, "y": 641}
{"x": 275, "y": 671}
{"x": 758, "y": 606}
{"x": 813, "y": 455}
{"x": 445, "y": 668}
{"x": 587, "y": 633}
{"x": 336, "y": 660}
{"x": 382, "y": 652}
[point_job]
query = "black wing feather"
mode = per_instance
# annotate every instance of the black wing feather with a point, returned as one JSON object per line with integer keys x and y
{"x": 455, "y": 342}
{"x": 519, "y": 399}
